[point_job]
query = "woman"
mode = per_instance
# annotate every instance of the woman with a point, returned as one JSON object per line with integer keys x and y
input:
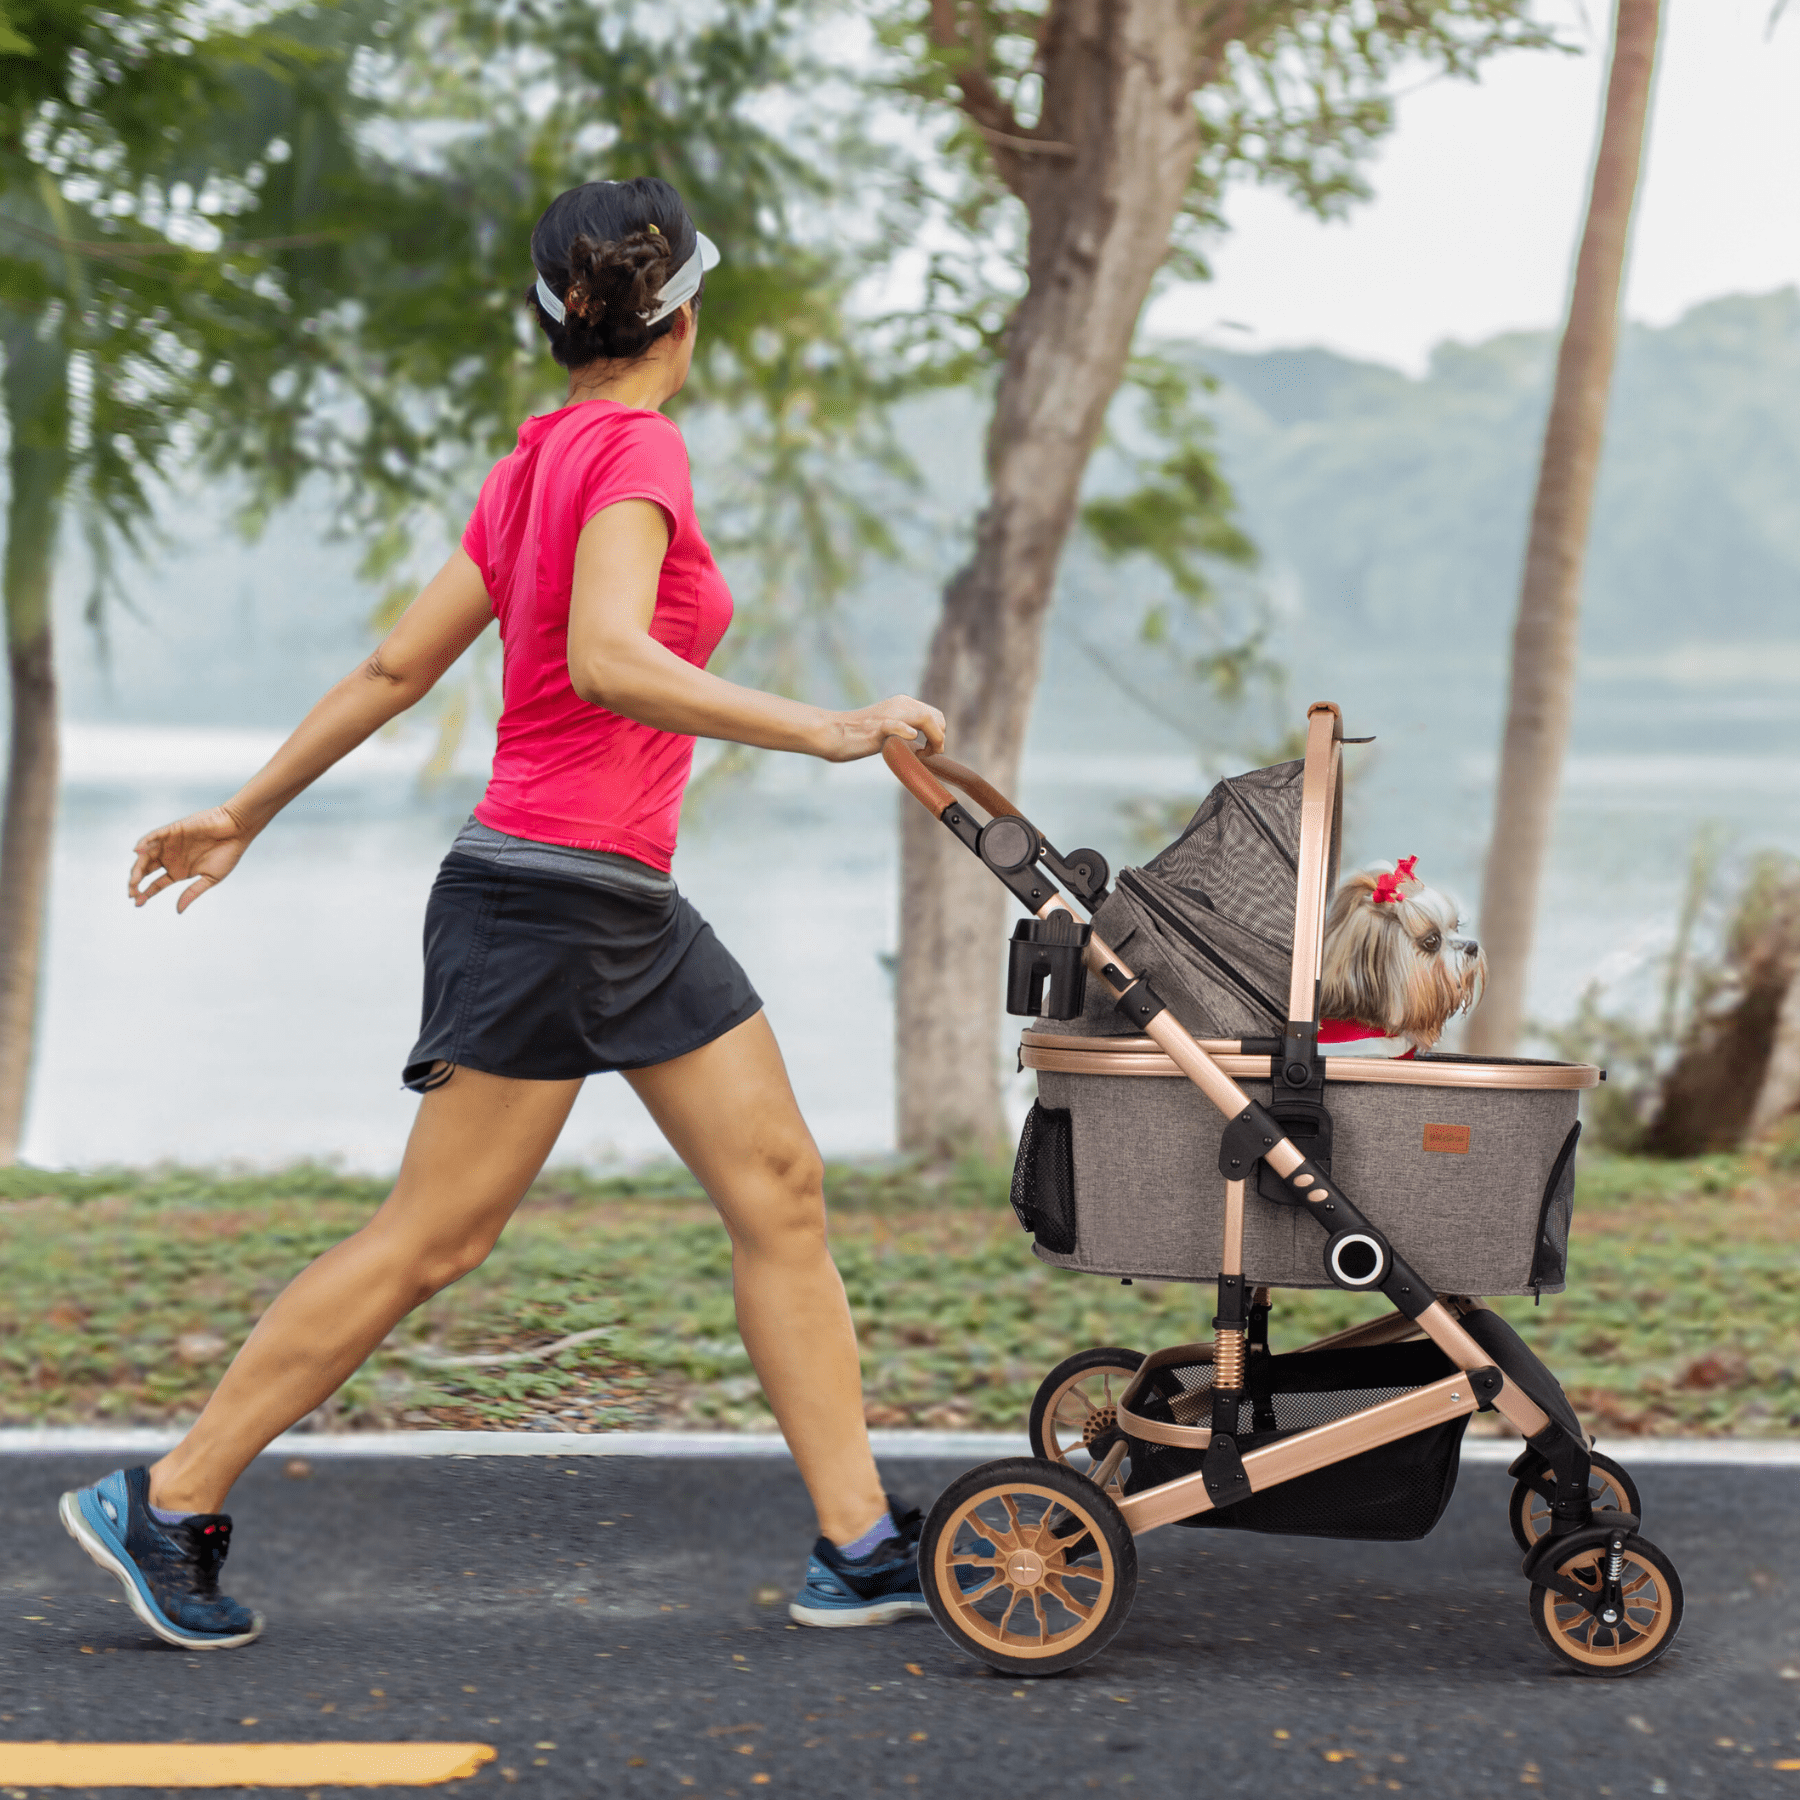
{"x": 556, "y": 944}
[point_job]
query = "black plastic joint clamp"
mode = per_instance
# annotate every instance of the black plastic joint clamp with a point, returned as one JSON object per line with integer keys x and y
{"x": 1234, "y": 1304}
{"x": 1406, "y": 1289}
{"x": 1299, "y": 1066}
{"x": 1245, "y": 1139}
{"x": 1487, "y": 1384}
{"x": 1223, "y": 1471}
{"x": 1140, "y": 1002}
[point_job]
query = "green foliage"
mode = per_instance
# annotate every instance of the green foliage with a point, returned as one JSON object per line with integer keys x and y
{"x": 122, "y": 1296}
{"x": 1180, "y": 512}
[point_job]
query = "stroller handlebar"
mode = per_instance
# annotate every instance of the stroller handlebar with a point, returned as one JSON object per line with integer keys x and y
{"x": 924, "y": 773}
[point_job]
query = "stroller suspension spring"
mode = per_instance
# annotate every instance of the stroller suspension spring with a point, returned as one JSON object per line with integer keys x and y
{"x": 1228, "y": 1360}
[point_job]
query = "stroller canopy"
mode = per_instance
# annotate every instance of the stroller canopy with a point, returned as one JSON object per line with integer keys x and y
{"x": 1210, "y": 920}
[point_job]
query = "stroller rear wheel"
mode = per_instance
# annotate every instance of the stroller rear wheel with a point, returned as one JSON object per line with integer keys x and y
{"x": 1074, "y": 1416}
{"x": 1647, "y": 1614}
{"x": 1610, "y": 1489}
{"x": 1028, "y": 1566}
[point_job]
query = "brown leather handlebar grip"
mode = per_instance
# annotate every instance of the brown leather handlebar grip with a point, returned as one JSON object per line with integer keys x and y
{"x": 899, "y": 755}
{"x": 924, "y": 773}
{"x": 990, "y": 799}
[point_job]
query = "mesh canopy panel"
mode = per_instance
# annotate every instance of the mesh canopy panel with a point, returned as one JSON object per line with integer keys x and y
{"x": 1211, "y": 919}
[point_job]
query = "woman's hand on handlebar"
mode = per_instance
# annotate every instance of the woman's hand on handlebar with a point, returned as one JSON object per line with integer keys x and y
{"x": 849, "y": 736}
{"x": 203, "y": 849}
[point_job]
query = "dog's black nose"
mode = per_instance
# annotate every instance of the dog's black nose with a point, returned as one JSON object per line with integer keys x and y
{"x": 1470, "y": 947}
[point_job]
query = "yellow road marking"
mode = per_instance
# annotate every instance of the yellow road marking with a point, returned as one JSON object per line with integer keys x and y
{"x": 238, "y": 1765}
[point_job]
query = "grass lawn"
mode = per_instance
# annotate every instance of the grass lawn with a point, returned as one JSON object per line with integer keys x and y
{"x": 123, "y": 1295}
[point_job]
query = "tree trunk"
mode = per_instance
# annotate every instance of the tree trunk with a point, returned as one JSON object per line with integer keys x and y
{"x": 1541, "y": 699}
{"x": 1102, "y": 180}
{"x": 1778, "y": 1093}
{"x": 36, "y": 392}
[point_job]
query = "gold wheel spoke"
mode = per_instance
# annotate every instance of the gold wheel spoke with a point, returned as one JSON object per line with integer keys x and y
{"x": 1006, "y": 1618}
{"x": 966, "y": 1600}
{"x": 1080, "y": 1608}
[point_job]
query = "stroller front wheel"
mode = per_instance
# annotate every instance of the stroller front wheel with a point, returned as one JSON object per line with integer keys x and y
{"x": 1616, "y": 1635}
{"x": 1610, "y": 1489}
{"x": 1028, "y": 1566}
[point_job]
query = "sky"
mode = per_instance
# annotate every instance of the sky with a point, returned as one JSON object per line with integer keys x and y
{"x": 1479, "y": 194}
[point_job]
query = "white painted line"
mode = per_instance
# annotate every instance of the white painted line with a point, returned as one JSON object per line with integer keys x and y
{"x": 948, "y": 1446}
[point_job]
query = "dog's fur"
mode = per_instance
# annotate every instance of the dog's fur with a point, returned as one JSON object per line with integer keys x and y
{"x": 1398, "y": 964}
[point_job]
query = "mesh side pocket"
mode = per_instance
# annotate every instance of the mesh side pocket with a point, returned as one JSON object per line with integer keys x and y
{"x": 1043, "y": 1185}
{"x": 1550, "y": 1255}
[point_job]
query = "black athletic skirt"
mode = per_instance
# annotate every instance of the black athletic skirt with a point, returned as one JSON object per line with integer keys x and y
{"x": 547, "y": 963}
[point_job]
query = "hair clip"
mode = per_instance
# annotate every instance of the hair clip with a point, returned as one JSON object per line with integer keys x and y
{"x": 1387, "y": 889}
{"x": 654, "y": 228}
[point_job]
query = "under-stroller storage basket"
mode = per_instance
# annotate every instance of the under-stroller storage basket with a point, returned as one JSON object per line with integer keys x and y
{"x": 1467, "y": 1166}
{"x": 1394, "y": 1491}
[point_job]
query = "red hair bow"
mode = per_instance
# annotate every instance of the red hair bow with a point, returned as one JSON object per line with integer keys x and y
{"x": 1387, "y": 889}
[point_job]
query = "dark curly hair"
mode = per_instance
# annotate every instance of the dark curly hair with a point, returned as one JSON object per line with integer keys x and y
{"x": 605, "y": 249}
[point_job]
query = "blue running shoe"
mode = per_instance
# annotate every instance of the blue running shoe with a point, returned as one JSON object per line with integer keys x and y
{"x": 866, "y": 1590}
{"x": 170, "y": 1573}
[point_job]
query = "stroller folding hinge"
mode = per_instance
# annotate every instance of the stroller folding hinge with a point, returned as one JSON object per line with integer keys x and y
{"x": 1487, "y": 1384}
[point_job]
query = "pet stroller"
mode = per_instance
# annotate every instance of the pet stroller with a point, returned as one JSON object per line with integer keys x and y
{"x": 1428, "y": 1181}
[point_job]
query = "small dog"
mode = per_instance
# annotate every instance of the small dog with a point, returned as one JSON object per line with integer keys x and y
{"x": 1394, "y": 964}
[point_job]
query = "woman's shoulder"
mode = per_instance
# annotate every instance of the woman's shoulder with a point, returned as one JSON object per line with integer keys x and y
{"x": 617, "y": 451}
{"x": 602, "y": 426}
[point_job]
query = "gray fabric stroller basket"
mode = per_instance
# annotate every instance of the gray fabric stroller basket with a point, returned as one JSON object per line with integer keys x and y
{"x": 1468, "y": 1166}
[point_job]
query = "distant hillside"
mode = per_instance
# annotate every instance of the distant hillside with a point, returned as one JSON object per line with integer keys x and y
{"x": 1401, "y": 506}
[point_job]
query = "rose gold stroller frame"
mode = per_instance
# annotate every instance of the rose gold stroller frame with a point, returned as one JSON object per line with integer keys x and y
{"x": 1492, "y": 1367}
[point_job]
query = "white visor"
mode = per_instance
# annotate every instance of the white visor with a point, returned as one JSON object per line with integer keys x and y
{"x": 681, "y": 287}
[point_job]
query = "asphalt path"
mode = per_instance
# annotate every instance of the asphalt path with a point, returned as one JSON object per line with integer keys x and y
{"x": 618, "y": 1627}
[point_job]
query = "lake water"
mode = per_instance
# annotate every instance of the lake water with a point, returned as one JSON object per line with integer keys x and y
{"x": 271, "y": 1021}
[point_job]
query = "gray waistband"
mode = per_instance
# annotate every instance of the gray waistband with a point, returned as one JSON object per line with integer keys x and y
{"x": 598, "y": 868}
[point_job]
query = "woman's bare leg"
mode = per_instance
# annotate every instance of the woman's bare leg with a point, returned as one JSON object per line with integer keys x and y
{"x": 730, "y": 1115}
{"x": 476, "y": 1146}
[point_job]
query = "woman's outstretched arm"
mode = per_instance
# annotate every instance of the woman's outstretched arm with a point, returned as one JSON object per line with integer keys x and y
{"x": 432, "y": 633}
{"x": 614, "y": 661}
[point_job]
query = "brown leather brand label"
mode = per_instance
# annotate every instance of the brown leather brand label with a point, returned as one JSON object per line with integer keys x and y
{"x": 1453, "y": 1138}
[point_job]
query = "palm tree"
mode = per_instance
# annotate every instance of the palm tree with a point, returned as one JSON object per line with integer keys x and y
{"x": 1540, "y": 701}
{"x": 92, "y": 287}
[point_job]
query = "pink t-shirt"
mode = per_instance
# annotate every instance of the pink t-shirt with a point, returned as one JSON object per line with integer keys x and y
{"x": 566, "y": 771}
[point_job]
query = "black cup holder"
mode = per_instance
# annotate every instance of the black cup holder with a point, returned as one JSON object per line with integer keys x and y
{"x": 1047, "y": 950}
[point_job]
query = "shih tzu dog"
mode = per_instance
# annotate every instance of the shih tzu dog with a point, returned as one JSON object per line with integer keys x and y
{"x": 1395, "y": 969}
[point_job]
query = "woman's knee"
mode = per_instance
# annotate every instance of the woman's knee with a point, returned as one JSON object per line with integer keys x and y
{"x": 780, "y": 1210}
{"x": 425, "y": 1265}
{"x": 446, "y": 1264}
